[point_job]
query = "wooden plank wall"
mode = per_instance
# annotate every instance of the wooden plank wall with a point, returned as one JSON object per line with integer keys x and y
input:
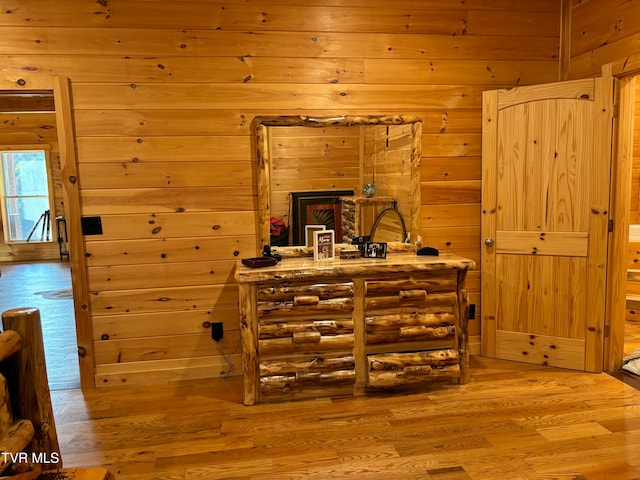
{"x": 602, "y": 31}
{"x": 163, "y": 97}
{"x": 29, "y": 129}
{"x": 387, "y": 162}
{"x": 339, "y": 158}
{"x": 304, "y": 159}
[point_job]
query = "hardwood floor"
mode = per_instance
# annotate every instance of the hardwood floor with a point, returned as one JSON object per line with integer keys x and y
{"x": 511, "y": 421}
{"x": 46, "y": 286}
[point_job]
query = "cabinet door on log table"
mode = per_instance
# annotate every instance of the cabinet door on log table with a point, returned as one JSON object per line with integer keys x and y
{"x": 313, "y": 329}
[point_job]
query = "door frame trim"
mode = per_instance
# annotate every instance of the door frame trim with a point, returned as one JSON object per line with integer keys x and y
{"x": 623, "y": 71}
{"x": 77, "y": 261}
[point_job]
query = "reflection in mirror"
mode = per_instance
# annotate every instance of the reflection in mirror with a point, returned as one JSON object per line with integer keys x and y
{"x": 334, "y": 159}
{"x": 389, "y": 227}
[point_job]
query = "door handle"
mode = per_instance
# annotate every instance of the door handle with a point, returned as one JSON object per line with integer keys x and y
{"x": 489, "y": 242}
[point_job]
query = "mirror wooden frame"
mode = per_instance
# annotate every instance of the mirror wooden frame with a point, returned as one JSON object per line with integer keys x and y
{"x": 261, "y": 124}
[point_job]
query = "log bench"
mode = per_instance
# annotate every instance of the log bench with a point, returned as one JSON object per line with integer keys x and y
{"x": 15, "y": 434}
{"x": 26, "y": 414}
{"x": 28, "y": 439}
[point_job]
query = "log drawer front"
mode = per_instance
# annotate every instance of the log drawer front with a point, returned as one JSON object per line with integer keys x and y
{"x": 305, "y": 338}
{"x": 321, "y": 329}
{"x": 411, "y": 328}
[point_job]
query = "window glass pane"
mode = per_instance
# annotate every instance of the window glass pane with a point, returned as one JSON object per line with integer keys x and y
{"x": 24, "y": 173}
{"x": 26, "y": 196}
{"x": 26, "y": 215}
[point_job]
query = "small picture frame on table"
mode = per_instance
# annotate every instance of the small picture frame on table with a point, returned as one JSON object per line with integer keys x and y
{"x": 374, "y": 250}
{"x": 324, "y": 245}
{"x": 309, "y": 230}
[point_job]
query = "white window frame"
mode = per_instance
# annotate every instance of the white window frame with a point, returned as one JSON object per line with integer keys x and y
{"x": 5, "y": 219}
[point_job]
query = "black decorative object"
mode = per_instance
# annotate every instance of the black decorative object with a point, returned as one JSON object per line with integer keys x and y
{"x": 256, "y": 262}
{"x": 428, "y": 251}
{"x": 266, "y": 252}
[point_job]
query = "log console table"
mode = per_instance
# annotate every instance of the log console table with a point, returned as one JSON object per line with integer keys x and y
{"x": 313, "y": 329}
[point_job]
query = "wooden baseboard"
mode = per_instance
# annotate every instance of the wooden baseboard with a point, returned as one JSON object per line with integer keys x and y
{"x": 627, "y": 377}
{"x": 475, "y": 345}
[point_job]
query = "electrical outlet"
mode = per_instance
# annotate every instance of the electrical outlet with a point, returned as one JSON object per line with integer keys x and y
{"x": 217, "y": 331}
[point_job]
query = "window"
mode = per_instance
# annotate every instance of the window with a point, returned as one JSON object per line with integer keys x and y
{"x": 25, "y": 196}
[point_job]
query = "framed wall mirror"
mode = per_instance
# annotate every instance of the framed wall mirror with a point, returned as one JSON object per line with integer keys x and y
{"x": 340, "y": 172}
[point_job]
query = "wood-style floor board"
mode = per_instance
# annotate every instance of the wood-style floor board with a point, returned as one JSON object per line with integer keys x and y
{"x": 47, "y": 286}
{"x": 510, "y": 421}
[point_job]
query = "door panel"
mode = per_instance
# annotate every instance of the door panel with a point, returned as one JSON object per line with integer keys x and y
{"x": 546, "y": 175}
{"x": 542, "y": 349}
{"x": 572, "y": 244}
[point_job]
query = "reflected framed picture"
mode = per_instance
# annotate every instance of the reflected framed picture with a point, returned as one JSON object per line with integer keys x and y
{"x": 313, "y": 208}
{"x": 309, "y": 236}
{"x": 374, "y": 250}
{"x": 324, "y": 245}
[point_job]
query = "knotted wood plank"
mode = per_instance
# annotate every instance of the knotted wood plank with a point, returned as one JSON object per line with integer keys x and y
{"x": 287, "y": 329}
{"x": 288, "y": 346}
{"x": 287, "y": 291}
{"x": 315, "y": 363}
{"x": 394, "y": 321}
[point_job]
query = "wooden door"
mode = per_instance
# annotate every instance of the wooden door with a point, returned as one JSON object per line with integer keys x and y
{"x": 545, "y": 214}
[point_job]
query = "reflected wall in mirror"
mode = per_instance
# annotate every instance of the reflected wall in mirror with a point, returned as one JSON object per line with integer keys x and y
{"x": 298, "y": 155}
